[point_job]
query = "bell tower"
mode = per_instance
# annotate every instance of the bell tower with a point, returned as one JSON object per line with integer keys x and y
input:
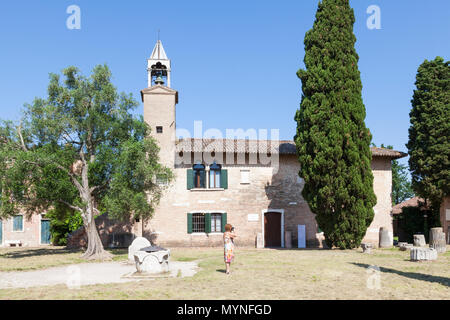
{"x": 160, "y": 104}
{"x": 158, "y": 66}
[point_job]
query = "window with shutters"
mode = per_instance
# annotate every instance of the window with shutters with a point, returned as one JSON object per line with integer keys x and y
{"x": 199, "y": 176}
{"x": 216, "y": 222}
{"x": 206, "y": 222}
{"x": 214, "y": 175}
{"x": 18, "y": 223}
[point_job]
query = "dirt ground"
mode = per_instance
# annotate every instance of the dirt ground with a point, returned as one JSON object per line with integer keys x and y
{"x": 266, "y": 274}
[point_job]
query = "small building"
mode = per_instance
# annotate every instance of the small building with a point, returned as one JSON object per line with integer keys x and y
{"x": 23, "y": 231}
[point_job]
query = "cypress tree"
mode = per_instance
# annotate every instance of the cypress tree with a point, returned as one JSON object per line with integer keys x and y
{"x": 429, "y": 134}
{"x": 332, "y": 140}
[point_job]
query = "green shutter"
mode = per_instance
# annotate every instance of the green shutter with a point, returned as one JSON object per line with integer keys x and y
{"x": 189, "y": 223}
{"x": 190, "y": 179}
{"x": 203, "y": 179}
{"x": 224, "y": 179}
{"x": 224, "y": 221}
{"x": 208, "y": 223}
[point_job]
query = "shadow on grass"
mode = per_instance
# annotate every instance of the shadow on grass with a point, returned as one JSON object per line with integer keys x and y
{"x": 36, "y": 252}
{"x": 221, "y": 270}
{"x": 17, "y": 254}
{"x": 412, "y": 275}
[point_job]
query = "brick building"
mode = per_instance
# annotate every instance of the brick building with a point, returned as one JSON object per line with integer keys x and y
{"x": 252, "y": 184}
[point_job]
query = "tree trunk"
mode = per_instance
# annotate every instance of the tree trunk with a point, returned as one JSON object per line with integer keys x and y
{"x": 437, "y": 240}
{"x": 95, "y": 250}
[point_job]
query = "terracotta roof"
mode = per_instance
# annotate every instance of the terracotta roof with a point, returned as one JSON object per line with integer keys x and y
{"x": 255, "y": 146}
{"x": 413, "y": 202}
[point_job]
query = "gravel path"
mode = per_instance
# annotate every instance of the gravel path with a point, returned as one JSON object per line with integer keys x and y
{"x": 87, "y": 274}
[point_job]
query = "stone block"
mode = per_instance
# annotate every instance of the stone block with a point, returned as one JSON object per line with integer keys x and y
{"x": 259, "y": 241}
{"x": 419, "y": 240}
{"x": 385, "y": 239}
{"x": 423, "y": 254}
{"x": 288, "y": 240}
{"x": 137, "y": 245}
{"x": 367, "y": 247}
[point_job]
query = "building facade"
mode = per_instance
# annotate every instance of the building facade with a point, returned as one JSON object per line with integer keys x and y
{"x": 23, "y": 231}
{"x": 251, "y": 184}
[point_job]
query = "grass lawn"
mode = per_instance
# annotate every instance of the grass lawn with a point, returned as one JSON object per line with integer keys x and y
{"x": 256, "y": 274}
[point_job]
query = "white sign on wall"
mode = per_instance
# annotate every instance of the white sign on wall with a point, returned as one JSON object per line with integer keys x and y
{"x": 253, "y": 217}
{"x": 301, "y": 236}
{"x": 447, "y": 214}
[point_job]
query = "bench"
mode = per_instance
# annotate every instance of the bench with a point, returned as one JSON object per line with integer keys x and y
{"x": 13, "y": 243}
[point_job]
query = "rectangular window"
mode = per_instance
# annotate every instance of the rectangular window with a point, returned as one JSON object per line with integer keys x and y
{"x": 161, "y": 180}
{"x": 159, "y": 129}
{"x": 199, "y": 179}
{"x": 198, "y": 222}
{"x": 214, "y": 179}
{"x": 245, "y": 176}
{"x": 216, "y": 222}
{"x": 18, "y": 223}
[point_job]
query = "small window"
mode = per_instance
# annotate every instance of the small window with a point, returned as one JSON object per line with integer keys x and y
{"x": 199, "y": 176}
{"x": 216, "y": 222}
{"x": 198, "y": 222}
{"x": 214, "y": 175}
{"x": 18, "y": 223}
{"x": 161, "y": 180}
{"x": 245, "y": 176}
{"x": 159, "y": 129}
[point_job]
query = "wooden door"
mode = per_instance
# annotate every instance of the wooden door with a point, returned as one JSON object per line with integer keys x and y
{"x": 272, "y": 229}
{"x": 45, "y": 231}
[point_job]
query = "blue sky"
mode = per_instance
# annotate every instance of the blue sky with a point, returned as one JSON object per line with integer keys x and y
{"x": 234, "y": 62}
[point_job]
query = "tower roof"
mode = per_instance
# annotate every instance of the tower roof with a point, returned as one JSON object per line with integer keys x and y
{"x": 158, "y": 52}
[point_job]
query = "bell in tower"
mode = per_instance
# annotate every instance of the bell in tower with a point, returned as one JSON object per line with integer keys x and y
{"x": 158, "y": 66}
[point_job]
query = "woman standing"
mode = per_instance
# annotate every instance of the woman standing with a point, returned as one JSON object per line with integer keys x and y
{"x": 228, "y": 244}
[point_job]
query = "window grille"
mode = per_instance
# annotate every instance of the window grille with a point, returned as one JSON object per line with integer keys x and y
{"x": 198, "y": 222}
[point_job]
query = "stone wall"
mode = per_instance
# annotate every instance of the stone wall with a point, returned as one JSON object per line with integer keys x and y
{"x": 111, "y": 232}
{"x": 382, "y": 185}
{"x": 445, "y": 221}
{"x": 268, "y": 189}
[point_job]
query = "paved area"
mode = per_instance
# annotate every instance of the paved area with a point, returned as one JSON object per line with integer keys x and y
{"x": 87, "y": 274}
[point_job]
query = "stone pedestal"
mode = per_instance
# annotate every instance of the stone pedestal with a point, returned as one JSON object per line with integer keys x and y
{"x": 405, "y": 246}
{"x": 423, "y": 254}
{"x": 419, "y": 240}
{"x": 288, "y": 240}
{"x": 259, "y": 241}
{"x": 385, "y": 239}
{"x": 437, "y": 240}
{"x": 367, "y": 247}
{"x": 152, "y": 262}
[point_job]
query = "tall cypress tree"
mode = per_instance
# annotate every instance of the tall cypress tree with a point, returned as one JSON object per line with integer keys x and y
{"x": 429, "y": 133}
{"x": 332, "y": 140}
